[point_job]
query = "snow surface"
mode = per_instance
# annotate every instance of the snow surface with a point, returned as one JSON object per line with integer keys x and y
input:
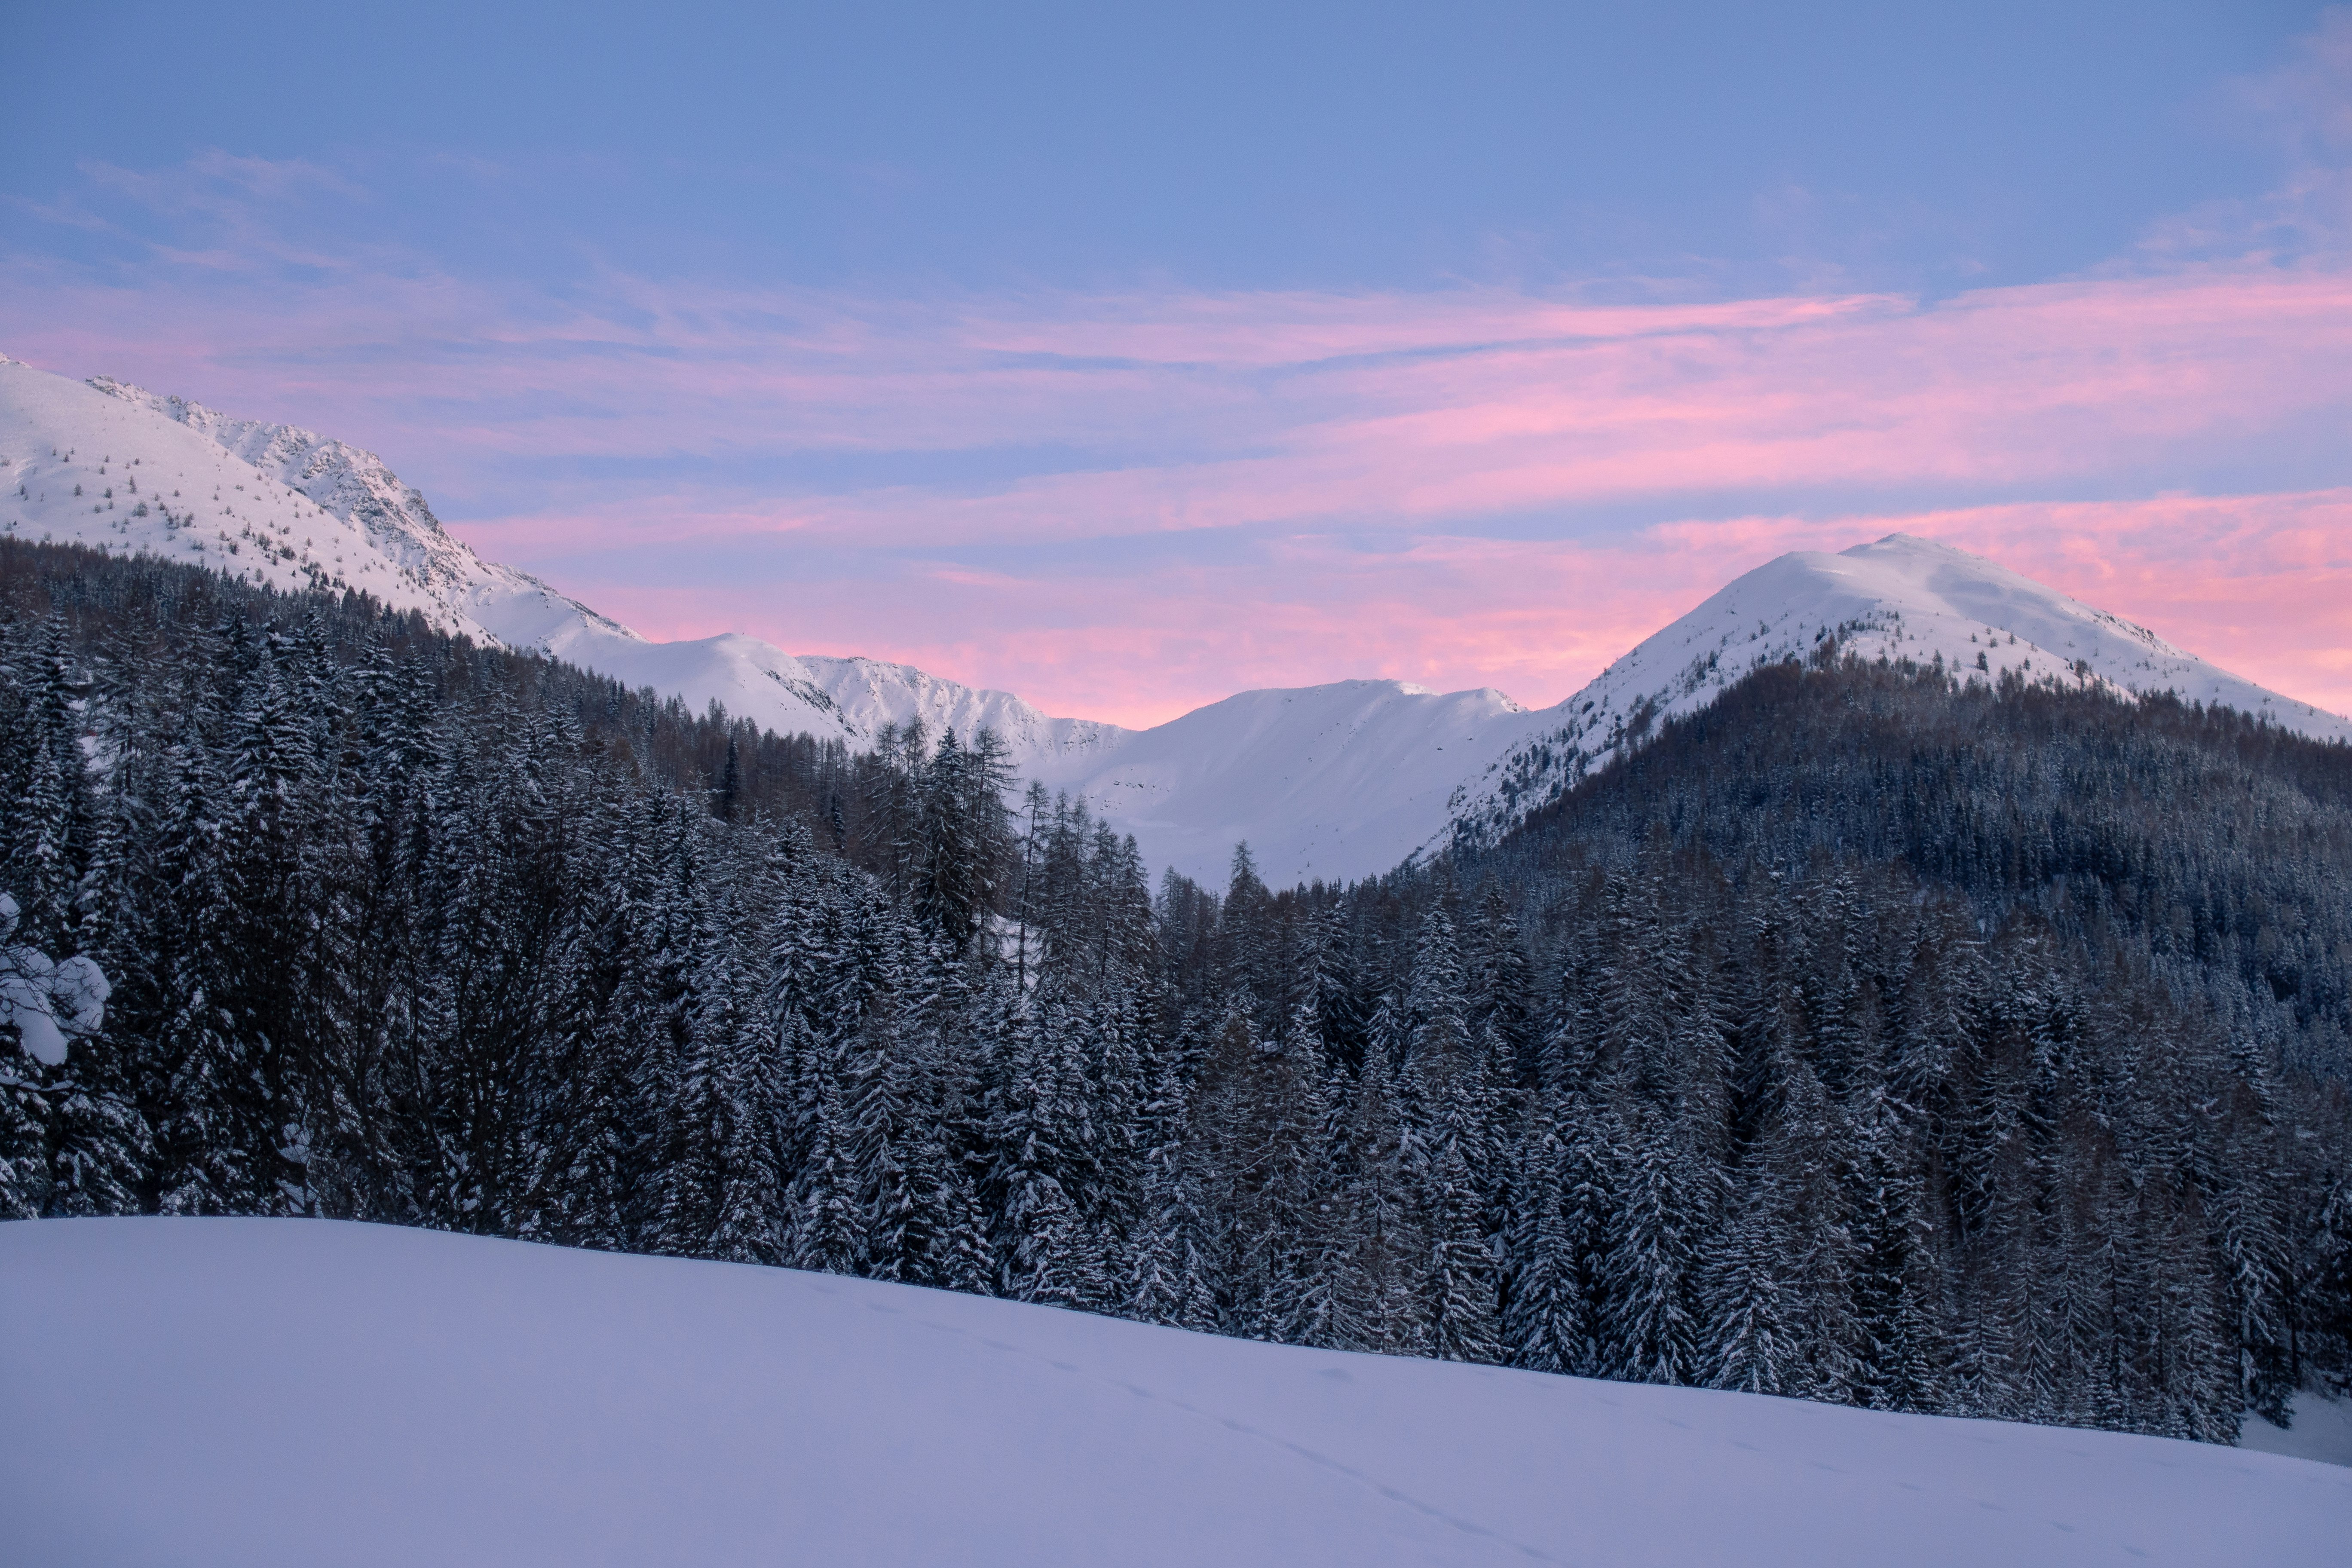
{"x": 1899, "y": 598}
{"x": 1335, "y": 782}
{"x": 2322, "y": 1430}
{"x": 198, "y": 1392}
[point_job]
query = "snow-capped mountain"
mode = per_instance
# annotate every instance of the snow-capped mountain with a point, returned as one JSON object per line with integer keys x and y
{"x": 1899, "y": 598}
{"x": 1333, "y": 780}
{"x": 1336, "y": 782}
{"x": 112, "y": 467}
{"x": 121, "y": 468}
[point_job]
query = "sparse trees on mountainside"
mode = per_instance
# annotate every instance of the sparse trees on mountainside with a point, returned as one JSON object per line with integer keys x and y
{"x": 1863, "y": 1039}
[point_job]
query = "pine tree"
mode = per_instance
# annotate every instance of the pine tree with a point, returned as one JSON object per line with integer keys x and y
{"x": 1171, "y": 1279}
{"x": 826, "y": 1228}
{"x": 1546, "y": 1324}
{"x": 1751, "y": 1338}
{"x": 1381, "y": 1299}
{"x": 1464, "y": 1324}
{"x": 1651, "y": 1331}
{"x": 894, "y": 1212}
{"x": 1038, "y": 1127}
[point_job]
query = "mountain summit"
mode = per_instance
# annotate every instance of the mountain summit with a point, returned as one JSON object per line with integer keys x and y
{"x": 1900, "y": 597}
{"x": 123, "y": 469}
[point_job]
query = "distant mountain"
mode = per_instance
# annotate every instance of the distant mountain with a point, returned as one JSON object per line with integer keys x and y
{"x": 1337, "y": 781}
{"x": 114, "y": 466}
{"x": 1334, "y": 782}
{"x": 1898, "y": 598}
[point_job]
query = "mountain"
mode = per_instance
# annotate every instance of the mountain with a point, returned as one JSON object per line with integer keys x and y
{"x": 199, "y": 1391}
{"x": 118, "y": 468}
{"x": 1898, "y": 598}
{"x": 1335, "y": 782}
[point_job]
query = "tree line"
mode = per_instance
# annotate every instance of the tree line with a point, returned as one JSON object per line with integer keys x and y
{"x": 1810, "y": 1051}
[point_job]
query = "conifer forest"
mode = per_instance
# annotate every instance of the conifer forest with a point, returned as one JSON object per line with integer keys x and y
{"x": 1867, "y": 1038}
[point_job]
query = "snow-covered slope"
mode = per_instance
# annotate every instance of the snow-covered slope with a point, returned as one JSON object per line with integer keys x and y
{"x": 1900, "y": 597}
{"x": 116, "y": 467}
{"x": 257, "y": 1393}
{"x": 1332, "y": 781}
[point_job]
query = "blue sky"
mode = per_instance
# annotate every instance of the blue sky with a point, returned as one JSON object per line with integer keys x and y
{"x": 836, "y": 323}
{"x": 1334, "y": 147}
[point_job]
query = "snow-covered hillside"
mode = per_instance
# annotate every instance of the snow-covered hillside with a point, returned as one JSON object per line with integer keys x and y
{"x": 1900, "y": 597}
{"x": 1333, "y": 782}
{"x": 113, "y": 466}
{"x": 256, "y": 1392}
{"x": 116, "y": 469}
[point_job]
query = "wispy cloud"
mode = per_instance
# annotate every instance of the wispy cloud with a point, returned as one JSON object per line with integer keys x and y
{"x": 1125, "y": 502}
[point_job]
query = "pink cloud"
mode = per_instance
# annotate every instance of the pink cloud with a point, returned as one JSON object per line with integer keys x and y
{"x": 1539, "y": 618}
{"x": 1281, "y": 489}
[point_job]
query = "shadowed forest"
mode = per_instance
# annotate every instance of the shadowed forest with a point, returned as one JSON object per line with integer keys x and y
{"x": 1867, "y": 1037}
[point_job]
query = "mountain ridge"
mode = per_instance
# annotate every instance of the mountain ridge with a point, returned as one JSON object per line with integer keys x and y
{"x": 1896, "y": 598}
{"x": 1336, "y": 782}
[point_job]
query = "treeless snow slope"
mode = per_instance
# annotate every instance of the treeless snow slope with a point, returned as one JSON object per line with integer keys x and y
{"x": 2322, "y": 1430}
{"x": 1334, "y": 782}
{"x": 257, "y": 1393}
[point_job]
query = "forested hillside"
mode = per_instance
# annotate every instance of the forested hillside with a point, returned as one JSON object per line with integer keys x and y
{"x": 1862, "y": 1036}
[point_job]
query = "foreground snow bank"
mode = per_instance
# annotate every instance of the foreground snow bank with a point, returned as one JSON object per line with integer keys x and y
{"x": 264, "y": 1392}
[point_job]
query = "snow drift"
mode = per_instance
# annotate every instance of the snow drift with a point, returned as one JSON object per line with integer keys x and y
{"x": 267, "y": 1392}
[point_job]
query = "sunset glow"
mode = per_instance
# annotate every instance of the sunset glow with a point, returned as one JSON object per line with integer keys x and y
{"x": 1122, "y": 503}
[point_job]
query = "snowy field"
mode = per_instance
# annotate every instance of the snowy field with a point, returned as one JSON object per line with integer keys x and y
{"x": 274, "y": 1392}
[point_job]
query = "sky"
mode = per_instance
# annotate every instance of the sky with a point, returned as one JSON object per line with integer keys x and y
{"x": 1127, "y": 357}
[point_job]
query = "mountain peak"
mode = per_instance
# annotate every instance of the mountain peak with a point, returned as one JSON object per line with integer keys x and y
{"x": 1900, "y": 597}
